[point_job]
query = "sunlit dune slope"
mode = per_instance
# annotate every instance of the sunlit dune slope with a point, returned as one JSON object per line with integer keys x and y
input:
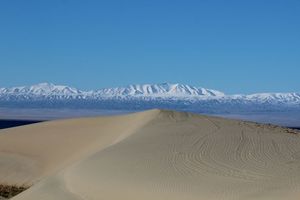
{"x": 29, "y": 153}
{"x": 152, "y": 155}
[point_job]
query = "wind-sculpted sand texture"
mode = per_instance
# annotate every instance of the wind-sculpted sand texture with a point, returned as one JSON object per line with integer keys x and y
{"x": 161, "y": 155}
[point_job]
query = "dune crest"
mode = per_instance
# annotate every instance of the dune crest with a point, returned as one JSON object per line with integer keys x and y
{"x": 152, "y": 155}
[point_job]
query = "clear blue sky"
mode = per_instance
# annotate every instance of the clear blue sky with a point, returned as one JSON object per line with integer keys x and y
{"x": 233, "y": 46}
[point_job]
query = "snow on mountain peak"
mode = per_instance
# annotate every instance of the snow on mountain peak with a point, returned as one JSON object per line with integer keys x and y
{"x": 162, "y": 89}
{"x": 143, "y": 91}
{"x": 41, "y": 89}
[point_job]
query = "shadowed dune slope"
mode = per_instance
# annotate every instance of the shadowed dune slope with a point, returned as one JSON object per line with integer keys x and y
{"x": 152, "y": 155}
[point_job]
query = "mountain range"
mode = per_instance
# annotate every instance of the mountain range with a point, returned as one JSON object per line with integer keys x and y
{"x": 139, "y": 97}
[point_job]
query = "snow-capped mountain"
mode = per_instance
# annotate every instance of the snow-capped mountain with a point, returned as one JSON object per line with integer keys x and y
{"x": 146, "y": 90}
{"x": 165, "y": 95}
{"x": 47, "y": 89}
{"x": 159, "y": 90}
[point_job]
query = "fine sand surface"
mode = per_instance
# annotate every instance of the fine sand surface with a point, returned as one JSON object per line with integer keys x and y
{"x": 152, "y": 155}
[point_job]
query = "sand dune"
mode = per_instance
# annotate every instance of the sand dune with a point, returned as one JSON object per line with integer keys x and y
{"x": 152, "y": 155}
